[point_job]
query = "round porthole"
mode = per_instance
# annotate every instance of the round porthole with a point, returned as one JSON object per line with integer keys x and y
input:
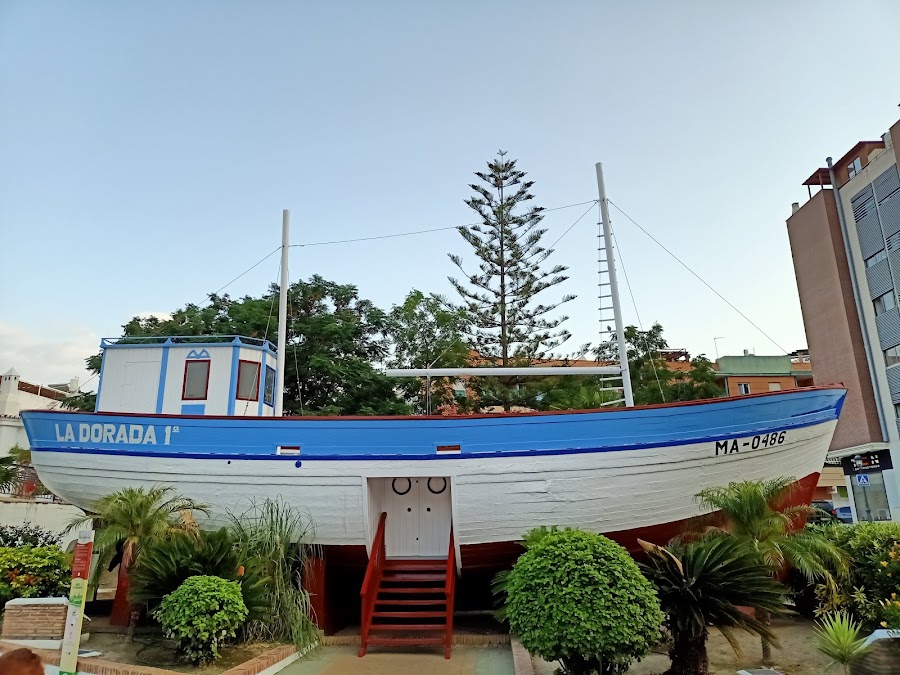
{"x": 298, "y": 463}
{"x": 398, "y": 492}
{"x": 437, "y": 492}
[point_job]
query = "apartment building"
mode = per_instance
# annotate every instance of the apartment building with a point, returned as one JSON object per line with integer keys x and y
{"x": 845, "y": 242}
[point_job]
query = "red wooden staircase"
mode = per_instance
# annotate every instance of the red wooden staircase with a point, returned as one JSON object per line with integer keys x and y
{"x": 407, "y": 602}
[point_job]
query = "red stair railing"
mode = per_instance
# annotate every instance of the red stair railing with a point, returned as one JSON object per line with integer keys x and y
{"x": 371, "y": 582}
{"x": 449, "y": 590}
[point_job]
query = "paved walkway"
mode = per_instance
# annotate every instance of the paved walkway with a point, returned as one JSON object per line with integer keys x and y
{"x": 465, "y": 661}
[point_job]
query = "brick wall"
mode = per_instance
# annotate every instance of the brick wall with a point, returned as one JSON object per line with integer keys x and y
{"x": 830, "y": 317}
{"x": 34, "y": 619}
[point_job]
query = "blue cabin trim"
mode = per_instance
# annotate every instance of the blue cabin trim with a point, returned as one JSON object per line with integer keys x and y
{"x": 163, "y": 371}
{"x": 232, "y": 385}
{"x": 189, "y": 340}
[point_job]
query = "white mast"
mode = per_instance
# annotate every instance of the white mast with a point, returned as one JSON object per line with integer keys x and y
{"x": 282, "y": 314}
{"x": 613, "y": 283}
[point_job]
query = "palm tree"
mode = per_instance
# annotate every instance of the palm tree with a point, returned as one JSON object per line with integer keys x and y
{"x": 702, "y": 584}
{"x": 752, "y": 512}
{"x": 126, "y": 521}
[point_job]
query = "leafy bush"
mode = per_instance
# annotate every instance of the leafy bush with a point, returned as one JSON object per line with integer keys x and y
{"x": 201, "y": 615}
{"x": 27, "y": 535}
{"x": 874, "y": 550}
{"x": 33, "y": 572}
{"x": 579, "y": 598}
{"x": 165, "y": 564}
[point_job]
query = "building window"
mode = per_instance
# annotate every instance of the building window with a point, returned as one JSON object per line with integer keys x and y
{"x": 743, "y": 388}
{"x": 884, "y": 303}
{"x": 196, "y": 381}
{"x": 854, "y": 167}
{"x": 877, "y": 258}
{"x": 897, "y": 410}
{"x": 892, "y": 356}
{"x": 269, "y": 392}
{"x": 774, "y": 386}
{"x": 248, "y": 381}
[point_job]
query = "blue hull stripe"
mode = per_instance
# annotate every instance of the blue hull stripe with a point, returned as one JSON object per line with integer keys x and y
{"x": 433, "y": 456}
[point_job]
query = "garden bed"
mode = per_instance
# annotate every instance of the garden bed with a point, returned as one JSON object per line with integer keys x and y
{"x": 796, "y": 656}
{"x": 154, "y": 651}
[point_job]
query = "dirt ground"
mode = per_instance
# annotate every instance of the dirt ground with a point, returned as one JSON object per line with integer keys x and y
{"x": 148, "y": 650}
{"x": 796, "y": 655}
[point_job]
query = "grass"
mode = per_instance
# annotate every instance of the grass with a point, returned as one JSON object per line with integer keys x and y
{"x": 275, "y": 535}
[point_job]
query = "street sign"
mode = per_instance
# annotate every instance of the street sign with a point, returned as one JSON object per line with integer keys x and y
{"x": 862, "y": 479}
{"x": 81, "y": 569}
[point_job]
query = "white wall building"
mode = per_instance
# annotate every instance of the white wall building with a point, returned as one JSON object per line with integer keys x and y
{"x": 16, "y": 395}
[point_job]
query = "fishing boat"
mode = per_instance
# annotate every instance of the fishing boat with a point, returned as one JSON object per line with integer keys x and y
{"x": 414, "y": 500}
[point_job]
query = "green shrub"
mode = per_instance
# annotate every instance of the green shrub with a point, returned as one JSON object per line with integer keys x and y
{"x": 874, "y": 550}
{"x": 27, "y": 535}
{"x": 579, "y": 598}
{"x": 201, "y": 615}
{"x": 166, "y": 564}
{"x": 33, "y": 572}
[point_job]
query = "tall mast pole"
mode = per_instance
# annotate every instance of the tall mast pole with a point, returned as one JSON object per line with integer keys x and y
{"x": 606, "y": 231}
{"x": 282, "y": 314}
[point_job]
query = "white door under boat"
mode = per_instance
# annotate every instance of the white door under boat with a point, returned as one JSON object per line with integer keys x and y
{"x": 418, "y": 515}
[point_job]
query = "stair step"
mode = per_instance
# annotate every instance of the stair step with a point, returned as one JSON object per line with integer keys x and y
{"x": 416, "y": 565}
{"x": 412, "y": 615}
{"x": 404, "y": 641}
{"x": 421, "y": 590}
{"x": 407, "y": 626}
{"x": 392, "y": 576}
{"x": 402, "y": 601}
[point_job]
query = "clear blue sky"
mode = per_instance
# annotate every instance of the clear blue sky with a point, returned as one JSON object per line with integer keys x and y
{"x": 147, "y": 149}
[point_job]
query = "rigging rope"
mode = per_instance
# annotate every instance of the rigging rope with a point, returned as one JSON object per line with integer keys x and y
{"x": 701, "y": 279}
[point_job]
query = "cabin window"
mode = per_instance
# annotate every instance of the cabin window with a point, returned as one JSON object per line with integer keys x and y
{"x": 269, "y": 392}
{"x": 774, "y": 386}
{"x": 248, "y": 381}
{"x": 196, "y": 380}
{"x": 743, "y": 388}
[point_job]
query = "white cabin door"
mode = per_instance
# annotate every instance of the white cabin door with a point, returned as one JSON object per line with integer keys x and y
{"x": 418, "y": 516}
{"x": 434, "y": 517}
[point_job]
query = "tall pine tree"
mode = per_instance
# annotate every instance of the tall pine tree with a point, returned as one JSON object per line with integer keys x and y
{"x": 510, "y": 326}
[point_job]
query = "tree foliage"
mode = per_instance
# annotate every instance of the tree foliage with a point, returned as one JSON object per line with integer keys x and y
{"x": 334, "y": 340}
{"x": 579, "y": 598}
{"x": 704, "y": 583}
{"x": 502, "y": 291}
{"x": 427, "y": 332}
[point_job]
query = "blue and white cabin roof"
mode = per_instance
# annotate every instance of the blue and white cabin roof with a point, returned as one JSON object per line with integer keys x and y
{"x": 188, "y": 375}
